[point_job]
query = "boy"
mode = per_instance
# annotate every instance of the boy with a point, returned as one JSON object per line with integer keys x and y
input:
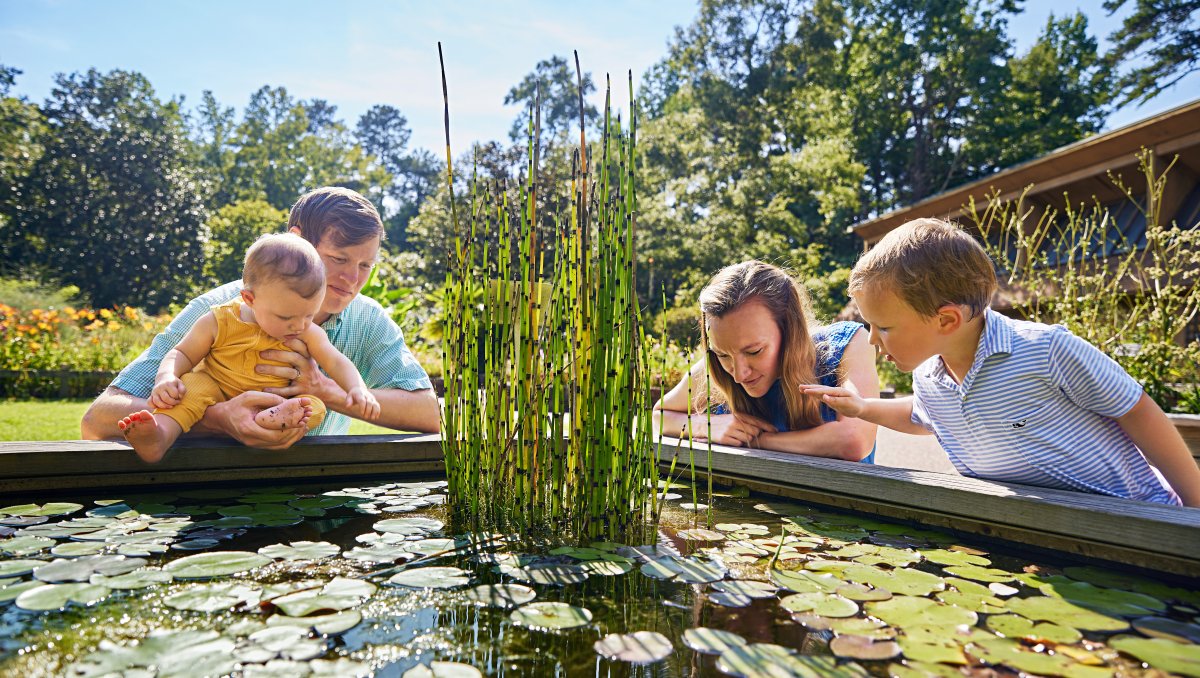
{"x": 283, "y": 287}
{"x": 1009, "y": 400}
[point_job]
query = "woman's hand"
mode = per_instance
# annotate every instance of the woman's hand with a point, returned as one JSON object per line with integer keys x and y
{"x": 737, "y": 430}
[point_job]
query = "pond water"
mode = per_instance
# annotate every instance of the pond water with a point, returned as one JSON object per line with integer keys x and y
{"x": 367, "y": 579}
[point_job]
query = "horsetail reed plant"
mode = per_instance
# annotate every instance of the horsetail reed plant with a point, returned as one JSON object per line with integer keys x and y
{"x": 546, "y": 424}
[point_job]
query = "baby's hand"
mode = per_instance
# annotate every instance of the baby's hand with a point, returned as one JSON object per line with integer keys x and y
{"x": 843, "y": 400}
{"x": 167, "y": 393}
{"x": 363, "y": 403}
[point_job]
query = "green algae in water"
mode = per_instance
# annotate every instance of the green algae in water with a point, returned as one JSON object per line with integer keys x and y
{"x": 291, "y": 599}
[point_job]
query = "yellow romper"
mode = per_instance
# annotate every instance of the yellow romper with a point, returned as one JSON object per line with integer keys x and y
{"x": 228, "y": 370}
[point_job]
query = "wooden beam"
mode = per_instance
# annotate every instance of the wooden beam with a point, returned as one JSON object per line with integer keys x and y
{"x": 1135, "y": 533}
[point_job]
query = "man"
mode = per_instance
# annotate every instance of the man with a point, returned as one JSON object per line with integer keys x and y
{"x": 347, "y": 232}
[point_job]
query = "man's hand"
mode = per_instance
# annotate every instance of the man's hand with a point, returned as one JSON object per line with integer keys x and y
{"x": 362, "y": 403}
{"x": 168, "y": 392}
{"x": 845, "y": 401}
{"x": 235, "y": 418}
{"x": 738, "y": 430}
{"x": 304, "y": 374}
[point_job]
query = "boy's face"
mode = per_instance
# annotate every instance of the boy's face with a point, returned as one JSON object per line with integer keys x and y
{"x": 903, "y": 335}
{"x": 747, "y": 341}
{"x": 279, "y": 311}
{"x": 346, "y": 271}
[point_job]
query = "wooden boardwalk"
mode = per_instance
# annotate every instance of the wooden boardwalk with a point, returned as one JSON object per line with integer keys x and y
{"x": 1144, "y": 535}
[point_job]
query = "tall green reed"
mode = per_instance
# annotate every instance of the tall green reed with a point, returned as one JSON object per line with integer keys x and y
{"x": 546, "y": 422}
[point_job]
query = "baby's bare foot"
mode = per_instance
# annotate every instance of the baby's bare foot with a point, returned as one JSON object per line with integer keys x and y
{"x": 288, "y": 414}
{"x": 146, "y": 436}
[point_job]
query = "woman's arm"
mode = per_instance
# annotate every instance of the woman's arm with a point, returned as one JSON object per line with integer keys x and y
{"x": 847, "y": 438}
{"x": 673, "y": 416}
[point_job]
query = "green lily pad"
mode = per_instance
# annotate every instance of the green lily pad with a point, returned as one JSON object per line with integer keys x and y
{"x": 762, "y": 660}
{"x": 1008, "y": 652}
{"x": 137, "y": 579}
{"x": 76, "y": 549}
{"x": 730, "y": 599}
{"x": 949, "y": 557}
{"x": 289, "y": 642}
{"x": 380, "y": 553}
{"x": 711, "y": 641}
{"x": 324, "y": 624}
{"x": 183, "y": 653}
{"x": 702, "y": 534}
{"x": 431, "y": 578}
{"x": 1107, "y": 601}
{"x": 551, "y": 616}
{"x": 51, "y": 509}
{"x": 413, "y": 526}
{"x": 300, "y": 550}
{"x": 747, "y": 587}
{"x": 443, "y": 670}
{"x": 1160, "y": 653}
{"x": 983, "y": 604}
{"x": 906, "y": 611}
{"x": 340, "y": 594}
{"x": 215, "y": 564}
{"x": 803, "y": 581}
{"x": 49, "y": 597}
{"x": 906, "y": 582}
{"x": 691, "y": 570}
{"x": 500, "y": 595}
{"x": 578, "y": 553}
{"x": 864, "y": 647}
{"x": 1014, "y": 626}
{"x": 977, "y": 573}
{"x": 1124, "y": 580}
{"x": 18, "y": 568}
{"x": 918, "y": 669}
{"x": 862, "y": 593}
{"x": 551, "y": 575}
{"x": 871, "y": 628}
{"x": 1160, "y": 627}
{"x": 607, "y": 568}
{"x": 25, "y": 546}
{"x": 1064, "y": 613}
{"x": 214, "y": 597}
{"x": 943, "y": 652}
{"x": 12, "y": 591}
{"x": 823, "y": 604}
{"x": 639, "y": 647}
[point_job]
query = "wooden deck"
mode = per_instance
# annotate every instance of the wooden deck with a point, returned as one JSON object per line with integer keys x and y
{"x": 1144, "y": 535}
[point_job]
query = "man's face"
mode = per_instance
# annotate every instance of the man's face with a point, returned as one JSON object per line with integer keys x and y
{"x": 903, "y": 335}
{"x": 346, "y": 271}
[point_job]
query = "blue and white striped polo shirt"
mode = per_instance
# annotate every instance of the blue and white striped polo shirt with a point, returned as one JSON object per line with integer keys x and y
{"x": 1038, "y": 407}
{"x": 363, "y": 332}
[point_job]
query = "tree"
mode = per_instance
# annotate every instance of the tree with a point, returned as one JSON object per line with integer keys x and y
{"x": 1163, "y": 38}
{"x": 559, "y": 87}
{"x": 232, "y": 230}
{"x": 112, "y": 205}
{"x": 383, "y": 132}
{"x": 213, "y": 137}
{"x": 21, "y": 129}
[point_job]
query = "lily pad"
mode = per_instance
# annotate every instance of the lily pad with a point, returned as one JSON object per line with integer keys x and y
{"x": 340, "y": 594}
{"x": 823, "y": 604}
{"x": 1104, "y": 600}
{"x": 803, "y": 581}
{"x": 862, "y": 593}
{"x": 9, "y": 593}
{"x": 1064, "y": 613}
{"x": 639, "y": 647}
{"x": 17, "y": 568}
{"x": 871, "y": 628}
{"x": 906, "y": 611}
{"x": 324, "y": 624}
{"x": 215, "y": 564}
{"x": 702, "y": 534}
{"x": 431, "y": 578}
{"x": 747, "y": 587}
{"x": 25, "y": 546}
{"x": 137, "y": 579}
{"x": 551, "y": 616}
{"x": 77, "y": 549}
{"x": 730, "y": 599}
{"x": 863, "y": 647}
{"x": 57, "y": 596}
{"x": 607, "y": 568}
{"x": 300, "y": 550}
{"x": 906, "y": 582}
{"x": 551, "y": 575}
{"x": 917, "y": 669}
{"x": 711, "y": 641}
{"x": 762, "y": 660}
{"x": 500, "y": 595}
{"x": 948, "y": 557}
{"x": 977, "y": 573}
{"x": 1160, "y": 653}
{"x": 214, "y": 597}
{"x": 51, "y": 509}
{"x": 1011, "y": 653}
{"x": 1160, "y": 627}
{"x": 1014, "y": 626}
{"x": 443, "y": 670}
{"x": 685, "y": 569}
{"x": 414, "y": 526}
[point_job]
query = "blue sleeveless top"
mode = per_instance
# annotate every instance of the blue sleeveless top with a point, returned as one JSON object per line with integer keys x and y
{"x": 831, "y": 344}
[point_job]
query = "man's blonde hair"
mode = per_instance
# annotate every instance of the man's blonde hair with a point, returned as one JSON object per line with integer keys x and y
{"x": 286, "y": 257}
{"x": 928, "y": 263}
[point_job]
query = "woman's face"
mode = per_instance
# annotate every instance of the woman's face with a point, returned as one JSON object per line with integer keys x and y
{"x": 747, "y": 342}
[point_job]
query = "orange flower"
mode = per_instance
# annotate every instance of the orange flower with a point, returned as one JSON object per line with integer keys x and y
{"x": 113, "y": 325}
{"x": 106, "y": 313}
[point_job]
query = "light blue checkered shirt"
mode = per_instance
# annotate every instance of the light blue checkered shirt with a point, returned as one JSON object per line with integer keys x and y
{"x": 1038, "y": 407}
{"x": 363, "y": 332}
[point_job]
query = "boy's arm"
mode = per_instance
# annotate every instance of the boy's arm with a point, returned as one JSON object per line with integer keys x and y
{"x": 1160, "y": 441}
{"x": 358, "y": 400}
{"x": 894, "y": 413}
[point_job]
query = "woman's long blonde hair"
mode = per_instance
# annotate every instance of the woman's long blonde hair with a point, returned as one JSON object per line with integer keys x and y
{"x": 788, "y": 303}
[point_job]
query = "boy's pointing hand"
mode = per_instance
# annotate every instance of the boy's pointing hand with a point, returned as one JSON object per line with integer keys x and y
{"x": 844, "y": 400}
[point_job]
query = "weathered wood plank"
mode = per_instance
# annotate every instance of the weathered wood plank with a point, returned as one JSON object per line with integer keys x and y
{"x": 1136, "y": 533}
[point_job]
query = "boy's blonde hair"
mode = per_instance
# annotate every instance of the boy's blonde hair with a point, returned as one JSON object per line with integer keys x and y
{"x": 286, "y": 257}
{"x": 928, "y": 263}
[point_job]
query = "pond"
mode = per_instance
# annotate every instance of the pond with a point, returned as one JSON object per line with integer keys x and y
{"x": 329, "y": 579}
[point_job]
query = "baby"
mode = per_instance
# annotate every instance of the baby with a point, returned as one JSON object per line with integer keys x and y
{"x": 284, "y": 283}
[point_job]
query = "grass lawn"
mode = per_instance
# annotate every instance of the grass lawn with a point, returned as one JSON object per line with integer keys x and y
{"x": 59, "y": 420}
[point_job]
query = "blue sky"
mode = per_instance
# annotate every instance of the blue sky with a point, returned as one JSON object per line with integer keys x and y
{"x": 367, "y": 53}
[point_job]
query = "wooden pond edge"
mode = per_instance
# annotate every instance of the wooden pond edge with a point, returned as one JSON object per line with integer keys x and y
{"x": 1138, "y": 534}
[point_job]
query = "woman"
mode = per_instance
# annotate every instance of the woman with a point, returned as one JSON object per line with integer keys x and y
{"x": 763, "y": 344}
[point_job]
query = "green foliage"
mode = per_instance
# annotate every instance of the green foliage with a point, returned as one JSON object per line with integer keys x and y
{"x": 560, "y": 97}
{"x": 1162, "y": 39}
{"x": 383, "y": 132}
{"x": 1073, "y": 268}
{"x": 232, "y": 230}
{"x": 21, "y": 129}
{"x": 678, "y": 325}
{"x": 26, "y": 295}
{"x": 112, "y": 205}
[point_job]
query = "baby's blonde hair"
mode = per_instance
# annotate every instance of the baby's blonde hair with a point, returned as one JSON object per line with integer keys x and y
{"x": 928, "y": 263}
{"x": 286, "y": 257}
